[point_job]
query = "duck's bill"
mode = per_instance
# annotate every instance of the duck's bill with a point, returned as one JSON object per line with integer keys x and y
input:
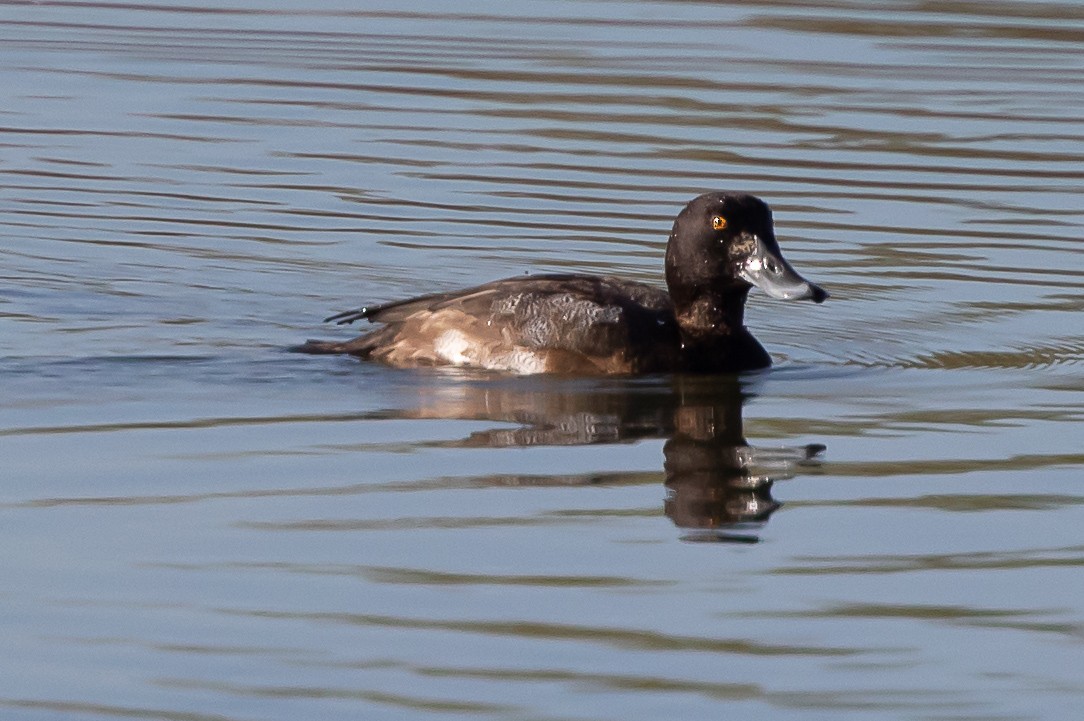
{"x": 766, "y": 269}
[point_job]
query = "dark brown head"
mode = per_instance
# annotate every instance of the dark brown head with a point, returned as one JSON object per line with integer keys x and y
{"x": 722, "y": 244}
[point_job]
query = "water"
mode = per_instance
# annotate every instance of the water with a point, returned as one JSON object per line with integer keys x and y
{"x": 198, "y": 525}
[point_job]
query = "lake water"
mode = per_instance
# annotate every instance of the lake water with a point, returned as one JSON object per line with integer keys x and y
{"x": 196, "y": 525}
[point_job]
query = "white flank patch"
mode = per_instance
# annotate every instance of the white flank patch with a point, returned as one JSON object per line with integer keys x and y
{"x": 452, "y": 346}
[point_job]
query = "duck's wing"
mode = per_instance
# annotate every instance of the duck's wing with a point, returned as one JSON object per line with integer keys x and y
{"x": 520, "y": 296}
{"x": 580, "y": 320}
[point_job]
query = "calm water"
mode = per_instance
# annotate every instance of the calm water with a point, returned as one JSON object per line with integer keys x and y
{"x": 196, "y": 525}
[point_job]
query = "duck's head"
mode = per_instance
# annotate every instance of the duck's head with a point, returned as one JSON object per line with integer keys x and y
{"x": 722, "y": 244}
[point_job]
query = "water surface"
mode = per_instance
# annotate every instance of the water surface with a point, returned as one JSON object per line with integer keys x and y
{"x": 198, "y": 525}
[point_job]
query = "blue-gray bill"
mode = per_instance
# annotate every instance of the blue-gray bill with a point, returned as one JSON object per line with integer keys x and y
{"x": 766, "y": 269}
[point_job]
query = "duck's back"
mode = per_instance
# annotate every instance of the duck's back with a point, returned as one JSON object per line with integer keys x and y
{"x": 541, "y": 324}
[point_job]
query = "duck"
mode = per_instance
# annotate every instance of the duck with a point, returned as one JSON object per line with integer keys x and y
{"x": 722, "y": 245}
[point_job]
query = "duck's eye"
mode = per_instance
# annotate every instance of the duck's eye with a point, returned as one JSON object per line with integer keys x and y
{"x": 718, "y": 222}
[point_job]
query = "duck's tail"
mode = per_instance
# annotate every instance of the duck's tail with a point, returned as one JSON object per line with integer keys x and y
{"x": 362, "y": 346}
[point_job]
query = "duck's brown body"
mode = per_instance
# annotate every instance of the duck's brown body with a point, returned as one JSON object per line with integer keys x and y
{"x": 543, "y": 324}
{"x": 720, "y": 246}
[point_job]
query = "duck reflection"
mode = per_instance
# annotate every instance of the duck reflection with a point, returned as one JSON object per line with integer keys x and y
{"x": 718, "y": 487}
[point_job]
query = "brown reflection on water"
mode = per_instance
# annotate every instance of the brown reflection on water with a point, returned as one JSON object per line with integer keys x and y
{"x": 718, "y": 486}
{"x": 612, "y": 636}
{"x": 1020, "y": 619}
{"x": 1025, "y": 557}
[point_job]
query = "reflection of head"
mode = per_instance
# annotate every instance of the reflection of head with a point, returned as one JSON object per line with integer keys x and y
{"x": 707, "y": 480}
{"x": 716, "y": 482}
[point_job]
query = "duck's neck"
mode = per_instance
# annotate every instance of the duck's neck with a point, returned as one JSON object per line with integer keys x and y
{"x": 712, "y": 315}
{"x": 713, "y": 334}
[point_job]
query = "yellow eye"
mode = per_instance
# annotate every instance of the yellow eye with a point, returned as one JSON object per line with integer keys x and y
{"x": 718, "y": 222}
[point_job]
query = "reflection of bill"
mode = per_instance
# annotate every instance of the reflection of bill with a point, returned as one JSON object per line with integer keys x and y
{"x": 718, "y": 486}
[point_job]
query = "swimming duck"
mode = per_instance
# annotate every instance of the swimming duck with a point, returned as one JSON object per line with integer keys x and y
{"x": 722, "y": 244}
